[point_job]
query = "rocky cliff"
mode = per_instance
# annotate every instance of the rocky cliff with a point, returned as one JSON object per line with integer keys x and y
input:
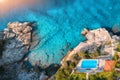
{"x": 94, "y": 39}
{"x": 17, "y": 38}
{"x": 21, "y": 31}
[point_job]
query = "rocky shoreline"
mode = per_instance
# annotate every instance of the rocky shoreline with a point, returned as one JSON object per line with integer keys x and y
{"x": 94, "y": 39}
{"x": 19, "y": 39}
{"x": 101, "y": 45}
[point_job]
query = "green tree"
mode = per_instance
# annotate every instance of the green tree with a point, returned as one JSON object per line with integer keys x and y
{"x": 77, "y": 76}
{"x": 115, "y": 56}
{"x": 118, "y": 47}
{"x": 116, "y": 74}
{"x": 117, "y": 65}
{"x": 101, "y": 76}
{"x": 60, "y": 75}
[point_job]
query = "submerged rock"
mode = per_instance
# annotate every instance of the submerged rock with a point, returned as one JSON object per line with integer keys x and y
{"x": 16, "y": 72}
{"x": 43, "y": 76}
{"x": 116, "y": 28}
{"x": 35, "y": 40}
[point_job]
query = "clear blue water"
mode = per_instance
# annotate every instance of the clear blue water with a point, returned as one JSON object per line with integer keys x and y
{"x": 60, "y": 23}
{"x": 88, "y": 64}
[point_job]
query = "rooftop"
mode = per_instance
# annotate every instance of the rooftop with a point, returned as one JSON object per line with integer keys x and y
{"x": 109, "y": 64}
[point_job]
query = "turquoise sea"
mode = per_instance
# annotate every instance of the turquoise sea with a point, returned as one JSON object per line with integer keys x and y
{"x": 60, "y": 23}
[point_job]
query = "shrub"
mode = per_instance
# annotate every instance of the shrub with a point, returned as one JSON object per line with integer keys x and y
{"x": 77, "y": 76}
{"x": 93, "y": 55}
{"x": 81, "y": 54}
{"x": 118, "y": 47}
{"x": 115, "y": 56}
{"x": 117, "y": 65}
{"x": 99, "y": 49}
{"x": 62, "y": 74}
{"x": 101, "y": 76}
{"x": 116, "y": 74}
{"x": 77, "y": 57}
{"x": 59, "y": 75}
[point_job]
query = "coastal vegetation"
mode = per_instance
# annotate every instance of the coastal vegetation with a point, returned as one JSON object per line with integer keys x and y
{"x": 77, "y": 76}
{"x": 92, "y": 55}
{"x": 118, "y": 47}
{"x": 67, "y": 72}
{"x": 117, "y": 65}
{"x": 105, "y": 75}
{"x": 115, "y": 56}
{"x": 101, "y": 76}
{"x": 67, "y": 69}
{"x": 116, "y": 74}
{"x": 64, "y": 74}
{"x": 117, "y": 59}
{"x": 87, "y": 55}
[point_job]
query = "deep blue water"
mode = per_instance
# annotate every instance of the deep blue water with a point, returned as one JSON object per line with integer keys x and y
{"x": 60, "y": 23}
{"x": 89, "y": 64}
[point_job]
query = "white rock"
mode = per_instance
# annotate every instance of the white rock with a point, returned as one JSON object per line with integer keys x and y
{"x": 84, "y": 32}
{"x": 27, "y": 29}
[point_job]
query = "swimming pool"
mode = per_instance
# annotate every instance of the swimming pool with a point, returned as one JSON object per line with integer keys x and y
{"x": 89, "y": 63}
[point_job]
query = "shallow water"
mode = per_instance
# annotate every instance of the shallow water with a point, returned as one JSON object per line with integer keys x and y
{"x": 60, "y": 24}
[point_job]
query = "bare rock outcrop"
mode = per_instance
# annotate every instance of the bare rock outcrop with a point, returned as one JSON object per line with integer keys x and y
{"x": 84, "y": 32}
{"x": 95, "y": 38}
{"x": 14, "y": 51}
{"x": 16, "y": 72}
{"x": 17, "y": 38}
{"x": 21, "y": 31}
{"x": 99, "y": 36}
{"x": 1, "y": 35}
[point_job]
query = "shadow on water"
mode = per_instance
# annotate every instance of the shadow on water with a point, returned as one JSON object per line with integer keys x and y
{"x": 52, "y": 69}
{"x": 110, "y": 30}
{"x": 49, "y": 71}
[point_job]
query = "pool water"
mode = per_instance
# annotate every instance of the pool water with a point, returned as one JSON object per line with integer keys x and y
{"x": 88, "y": 64}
